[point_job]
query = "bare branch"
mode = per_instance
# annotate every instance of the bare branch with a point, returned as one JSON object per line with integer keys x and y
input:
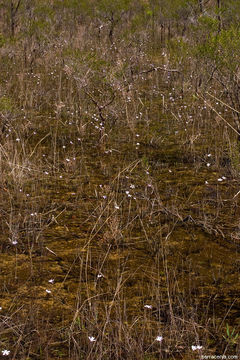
{"x": 158, "y": 68}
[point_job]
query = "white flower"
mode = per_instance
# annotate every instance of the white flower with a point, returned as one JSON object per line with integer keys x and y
{"x": 68, "y": 160}
{"x": 0, "y": 308}
{"x": 208, "y": 164}
{"x": 148, "y": 306}
{"x": 99, "y": 276}
{"x": 51, "y": 281}
{"x": 196, "y": 347}
{"x": 132, "y": 186}
{"x": 92, "y": 338}
{"x": 209, "y": 155}
{"x": 14, "y": 242}
{"x": 224, "y": 178}
{"x": 137, "y": 144}
{"x": 159, "y": 338}
{"x": 206, "y": 182}
{"x": 5, "y": 352}
{"x": 48, "y": 291}
{"x": 220, "y": 179}
{"x": 116, "y": 207}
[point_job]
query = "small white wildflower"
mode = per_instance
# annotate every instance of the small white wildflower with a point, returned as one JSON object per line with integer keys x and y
{"x": 127, "y": 192}
{"x": 132, "y": 186}
{"x": 51, "y": 281}
{"x": 5, "y": 352}
{"x": 209, "y": 155}
{"x": 13, "y": 242}
{"x": 17, "y": 139}
{"x": 48, "y": 291}
{"x": 159, "y": 338}
{"x": 68, "y": 160}
{"x": 196, "y": 347}
{"x": 137, "y": 144}
{"x": 104, "y": 196}
{"x": 170, "y": 171}
{"x": 220, "y": 179}
{"x": 60, "y": 176}
{"x": 117, "y": 207}
{"x": 148, "y": 306}
{"x": 224, "y": 178}
{"x": 92, "y": 338}
{"x": 0, "y": 308}
{"x": 46, "y": 172}
{"x": 208, "y": 164}
{"x": 99, "y": 276}
{"x": 137, "y": 135}
{"x": 206, "y": 182}
{"x": 64, "y": 146}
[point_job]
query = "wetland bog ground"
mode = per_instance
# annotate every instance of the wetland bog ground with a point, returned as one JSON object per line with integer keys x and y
{"x": 119, "y": 188}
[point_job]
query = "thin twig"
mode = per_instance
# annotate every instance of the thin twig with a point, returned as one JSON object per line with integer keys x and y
{"x": 212, "y": 108}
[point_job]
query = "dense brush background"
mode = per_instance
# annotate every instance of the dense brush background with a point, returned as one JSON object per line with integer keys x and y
{"x": 119, "y": 187}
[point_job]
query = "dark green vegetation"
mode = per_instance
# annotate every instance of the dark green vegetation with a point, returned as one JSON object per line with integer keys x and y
{"x": 119, "y": 185}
